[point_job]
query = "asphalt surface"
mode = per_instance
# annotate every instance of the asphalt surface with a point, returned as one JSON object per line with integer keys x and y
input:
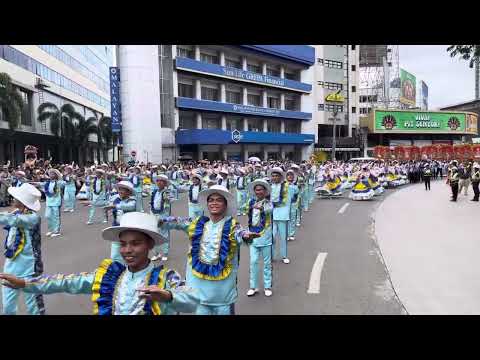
{"x": 353, "y": 279}
{"x": 431, "y": 248}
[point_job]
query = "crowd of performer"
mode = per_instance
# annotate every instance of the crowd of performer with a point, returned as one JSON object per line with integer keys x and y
{"x": 274, "y": 197}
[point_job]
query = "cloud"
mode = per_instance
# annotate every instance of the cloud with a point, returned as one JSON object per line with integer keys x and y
{"x": 449, "y": 80}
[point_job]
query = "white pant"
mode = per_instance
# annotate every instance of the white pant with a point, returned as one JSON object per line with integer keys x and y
{"x": 463, "y": 184}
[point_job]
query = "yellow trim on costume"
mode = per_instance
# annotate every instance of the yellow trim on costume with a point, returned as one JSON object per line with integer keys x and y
{"x": 99, "y": 273}
{"x": 21, "y": 245}
{"x": 156, "y": 309}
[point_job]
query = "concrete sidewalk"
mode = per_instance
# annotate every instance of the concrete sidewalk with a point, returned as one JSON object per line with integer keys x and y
{"x": 431, "y": 248}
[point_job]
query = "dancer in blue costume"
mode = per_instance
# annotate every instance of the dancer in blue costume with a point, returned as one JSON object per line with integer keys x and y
{"x": 23, "y": 247}
{"x": 136, "y": 288}
{"x": 53, "y": 192}
{"x": 70, "y": 190}
{"x": 194, "y": 189}
{"x": 99, "y": 196}
{"x": 260, "y": 211}
{"x": 213, "y": 257}
{"x": 124, "y": 202}
{"x": 241, "y": 184}
{"x": 294, "y": 204}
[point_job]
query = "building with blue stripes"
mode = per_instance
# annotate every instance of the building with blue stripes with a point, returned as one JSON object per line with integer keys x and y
{"x": 217, "y": 101}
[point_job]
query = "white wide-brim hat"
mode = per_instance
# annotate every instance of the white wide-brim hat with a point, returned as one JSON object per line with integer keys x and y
{"x": 135, "y": 221}
{"x": 198, "y": 176}
{"x": 162, "y": 177}
{"x": 20, "y": 173}
{"x": 251, "y": 186}
{"x": 28, "y": 195}
{"x": 224, "y": 171}
{"x": 295, "y": 166}
{"x": 290, "y": 171}
{"x": 223, "y": 191}
{"x": 100, "y": 171}
{"x": 56, "y": 172}
{"x": 126, "y": 185}
{"x": 276, "y": 170}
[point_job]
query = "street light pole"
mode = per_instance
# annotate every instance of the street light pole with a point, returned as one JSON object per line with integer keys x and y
{"x": 334, "y": 137}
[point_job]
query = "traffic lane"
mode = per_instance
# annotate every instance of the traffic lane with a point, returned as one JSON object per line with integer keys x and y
{"x": 431, "y": 250}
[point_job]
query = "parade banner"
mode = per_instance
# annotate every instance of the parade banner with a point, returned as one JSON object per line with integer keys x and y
{"x": 399, "y": 152}
{"x": 415, "y": 153}
{"x": 115, "y": 107}
{"x": 467, "y": 152}
{"x": 397, "y": 121}
{"x": 408, "y": 88}
{"x": 476, "y": 151}
{"x": 458, "y": 152}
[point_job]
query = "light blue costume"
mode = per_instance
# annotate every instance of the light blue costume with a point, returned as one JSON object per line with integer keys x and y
{"x": 160, "y": 206}
{"x": 241, "y": 184}
{"x": 122, "y": 206}
{"x": 311, "y": 183}
{"x": 300, "y": 182}
{"x": 69, "y": 193}
{"x": 113, "y": 288}
{"x": 53, "y": 194}
{"x": 99, "y": 198}
{"x": 213, "y": 261}
{"x": 138, "y": 190}
{"x": 88, "y": 189}
{"x": 194, "y": 208}
{"x": 23, "y": 258}
{"x": 281, "y": 197}
{"x": 175, "y": 179}
{"x": 260, "y": 221}
{"x": 294, "y": 209}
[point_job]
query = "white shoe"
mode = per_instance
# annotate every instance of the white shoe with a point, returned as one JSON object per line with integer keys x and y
{"x": 49, "y": 233}
{"x": 291, "y": 238}
{"x": 66, "y": 210}
{"x": 71, "y": 210}
{"x": 268, "y": 292}
{"x": 298, "y": 225}
{"x": 89, "y": 205}
{"x": 286, "y": 260}
{"x": 89, "y": 223}
{"x": 252, "y": 292}
{"x": 56, "y": 234}
{"x": 105, "y": 221}
{"x": 164, "y": 258}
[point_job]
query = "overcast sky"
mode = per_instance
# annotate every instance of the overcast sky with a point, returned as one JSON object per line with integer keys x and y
{"x": 449, "y": 80}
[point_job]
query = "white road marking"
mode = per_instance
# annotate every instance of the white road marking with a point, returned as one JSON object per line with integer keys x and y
{"x": 343, "y": 208}
{"x": 316, "y": 274}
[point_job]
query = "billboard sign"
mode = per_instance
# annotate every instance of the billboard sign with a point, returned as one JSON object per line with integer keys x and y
{"x": 408, "y": 86}
{"x": 115, "y": 109}
{"x": 395, "y": 121}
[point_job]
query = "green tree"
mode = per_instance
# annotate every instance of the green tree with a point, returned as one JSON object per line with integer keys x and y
{"x": 81, "y": 130}
{"x": 11, "y": 102}
{"x": 106, "y": 137}
{"x": 465, "y": 52}
{"x": 60, "y": 123}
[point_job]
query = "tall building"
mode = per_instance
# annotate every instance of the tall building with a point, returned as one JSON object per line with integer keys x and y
{"x": 335, "y": 91}
{"x": 217, "y": 101}
{"x": 60, "y": 74}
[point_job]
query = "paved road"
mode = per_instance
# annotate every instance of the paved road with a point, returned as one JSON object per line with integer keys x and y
{"x": 352, "y": 280}
{"x": 431, "y": 248}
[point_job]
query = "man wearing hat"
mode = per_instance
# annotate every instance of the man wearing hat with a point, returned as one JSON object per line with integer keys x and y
{"x": 300, "y": 182}
{"x": 454, "y": 179}
{"x": 475, "y": 181}
{"x": 260, "y": 222}
{"x": 160, "y": 206}
{"x": 294, "y": 204}
{"x": 99, "y": 196}
{"x": 70, "y": 190}
{"x": 175, "y": 178}
{"x": 281, "y": 196}
{"x": 137, "y": 182}
{"x": 18, "y": 178}
{"x": 241, "y": 184}
{"x": 194, "y": 189}
{"x": 23, "y": 247}
{"x": 135, "y": 287}
{"x": 122, "y": 203}
{"x": 213, "y": 257}
{"x": 53, "y": 192}
{"x": 427, "y": 175}
{"x": 223, "y": 178}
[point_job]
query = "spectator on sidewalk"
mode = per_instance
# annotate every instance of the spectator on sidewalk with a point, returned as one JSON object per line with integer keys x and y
{"x": 475, "y": 181}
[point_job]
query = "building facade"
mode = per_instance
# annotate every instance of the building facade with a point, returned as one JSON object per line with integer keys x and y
{"x": 217, "y": 101}
{"x": 59, "y": 74}
{"x": 335, "y": 92}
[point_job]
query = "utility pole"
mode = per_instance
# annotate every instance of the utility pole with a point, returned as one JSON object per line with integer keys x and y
{"x": 334, "y": 137}
{"x": 477, "y": 79}
{"x": 386, "y": 82}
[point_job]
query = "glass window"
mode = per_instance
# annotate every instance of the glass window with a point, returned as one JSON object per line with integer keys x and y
{"x": 273, "y": 103}
{"x": 255, "y": 124}
{"x": 211, "y": 59}
{"x": 354, "y": 88}
{"x": 253, "y": 100}
{"x": 273, "y": 72}
{"x": 321, "y": 107}
{"x": 211, "y": 121}
{"x": 233, "y": 64}
{"x": 292, "y": 126}
{"x": 233, "y": 97}
{"x": 273, "y": 125}
{"x": 290, "y": 104}
{"x": 333, "y": 64}
{"x": 233, "y": 123}
{"x": 291, "y": 76}
{"x": 354, "y": 110}
{"x": 187, "y": 120}
{"x": 254, "y": 68}
{"x": 185, "y": 90}
{"x": 209, "y": 94}
{"x": 353, "y": 68}
{"x": 185, "y": 53}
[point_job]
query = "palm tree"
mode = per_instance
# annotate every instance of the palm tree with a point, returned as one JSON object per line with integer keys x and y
{"x": 106, "y": 136}
{"x": 11, "y": 102}
{"x": 82, "y": 129}
{"x": 60, "y": 122}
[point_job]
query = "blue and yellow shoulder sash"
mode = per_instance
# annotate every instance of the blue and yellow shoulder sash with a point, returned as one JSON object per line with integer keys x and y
{"x": 11, "y": 252}
{"x": 228, "y": 248}
{"x": 105, "y": 284}
{"x": 265, "y": 221}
